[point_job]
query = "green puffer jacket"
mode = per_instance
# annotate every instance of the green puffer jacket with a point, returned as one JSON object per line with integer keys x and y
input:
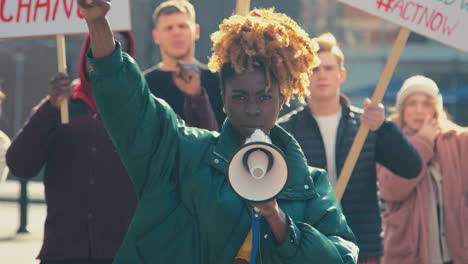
{"x": 187, "y": 211}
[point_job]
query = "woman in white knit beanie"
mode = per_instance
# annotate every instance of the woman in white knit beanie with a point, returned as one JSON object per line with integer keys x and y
{"x": 425, "y": 220}
{"x": 425, "y": 91}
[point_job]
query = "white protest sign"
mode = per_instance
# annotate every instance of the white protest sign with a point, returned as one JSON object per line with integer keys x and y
{"x": 445, "y": 21}
{"x": 27, "y": 18}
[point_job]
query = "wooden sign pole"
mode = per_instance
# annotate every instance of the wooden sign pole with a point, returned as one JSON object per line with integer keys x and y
{"x": 376, "y": 98}
{"x": 62, "y": 67}
{"x": 242, "y": 7}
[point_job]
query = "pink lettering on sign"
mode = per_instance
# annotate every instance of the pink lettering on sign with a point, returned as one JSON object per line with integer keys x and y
{"x": 3, "y": 18}
{"x": 27, "y": 11}
{"x": 66, "y": 8}
{"x": 22, "y": 6}
{"x": 418, "y": 14}
{"x": 45, "y": 5}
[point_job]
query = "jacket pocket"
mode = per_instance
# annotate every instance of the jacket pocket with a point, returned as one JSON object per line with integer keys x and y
{"x": 171, "y": 241}
{"x": 399, "y": 234}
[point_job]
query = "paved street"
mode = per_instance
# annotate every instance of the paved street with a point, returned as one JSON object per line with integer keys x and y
{"x": 20, "y": 248}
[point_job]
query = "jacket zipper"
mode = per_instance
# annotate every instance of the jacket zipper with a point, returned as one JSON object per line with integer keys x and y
{"x": 220, "y": 156}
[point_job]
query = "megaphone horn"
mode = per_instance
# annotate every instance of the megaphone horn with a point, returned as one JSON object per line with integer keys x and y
{"x": 258, "y": 161}
{"x": 258, "y": 171}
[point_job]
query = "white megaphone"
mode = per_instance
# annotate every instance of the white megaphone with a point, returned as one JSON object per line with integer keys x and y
{"x": 258, "y": 171}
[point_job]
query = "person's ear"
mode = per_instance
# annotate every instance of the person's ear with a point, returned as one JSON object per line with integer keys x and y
{"x": 197, "y": 32}
{"x": 343, "y": 74}
{"x": 155, "y": 36}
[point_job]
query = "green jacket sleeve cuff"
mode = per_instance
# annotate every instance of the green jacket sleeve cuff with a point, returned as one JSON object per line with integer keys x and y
{"x": 106, "y": 65}
{"x": 290, "y": 245}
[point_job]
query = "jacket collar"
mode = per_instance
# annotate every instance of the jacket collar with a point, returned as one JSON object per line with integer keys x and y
{"x": 299, "y": 185}
{"x": 345, "y": 104}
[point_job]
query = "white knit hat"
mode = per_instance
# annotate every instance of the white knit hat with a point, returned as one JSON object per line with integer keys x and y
{"x": 419, "y": 84}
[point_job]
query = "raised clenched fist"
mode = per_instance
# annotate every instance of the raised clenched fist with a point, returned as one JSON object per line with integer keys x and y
{"x": 94, "y": 9}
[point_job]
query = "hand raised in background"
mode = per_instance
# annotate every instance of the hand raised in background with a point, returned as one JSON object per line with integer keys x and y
{"x": 187, "y": 78}
{"x": 430, "y": 129}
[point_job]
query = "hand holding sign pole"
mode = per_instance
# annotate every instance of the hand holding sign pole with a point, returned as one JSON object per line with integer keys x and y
{"x": 54, "y": 18}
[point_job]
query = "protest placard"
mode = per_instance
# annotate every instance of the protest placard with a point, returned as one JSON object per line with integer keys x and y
{"x": 445, "y": 21}
{"x": 26, "y": 18}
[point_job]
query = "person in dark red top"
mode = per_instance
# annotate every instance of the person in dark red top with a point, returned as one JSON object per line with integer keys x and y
{"x": 90, "y": 198}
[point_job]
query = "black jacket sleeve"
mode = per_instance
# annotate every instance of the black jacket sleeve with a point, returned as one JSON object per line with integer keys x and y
{"x": 395, "y": 152}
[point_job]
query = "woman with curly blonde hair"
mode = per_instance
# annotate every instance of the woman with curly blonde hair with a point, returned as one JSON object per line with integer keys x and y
{"x": 187, "y": 210}
{"x": 426, "y": 218}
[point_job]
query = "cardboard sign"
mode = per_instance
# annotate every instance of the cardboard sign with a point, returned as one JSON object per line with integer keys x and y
{"x": 445, "y": 21}
{"x": 26, "y": 18}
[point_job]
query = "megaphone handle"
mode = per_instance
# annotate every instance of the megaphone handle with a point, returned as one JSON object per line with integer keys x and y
{"x": 255, "y": 235}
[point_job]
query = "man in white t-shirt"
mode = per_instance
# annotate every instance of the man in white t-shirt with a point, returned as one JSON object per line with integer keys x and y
{"x": 326, "y": 127}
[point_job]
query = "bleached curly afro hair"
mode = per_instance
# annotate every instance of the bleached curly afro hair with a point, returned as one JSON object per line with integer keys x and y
{"x": 267, "y": 39}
